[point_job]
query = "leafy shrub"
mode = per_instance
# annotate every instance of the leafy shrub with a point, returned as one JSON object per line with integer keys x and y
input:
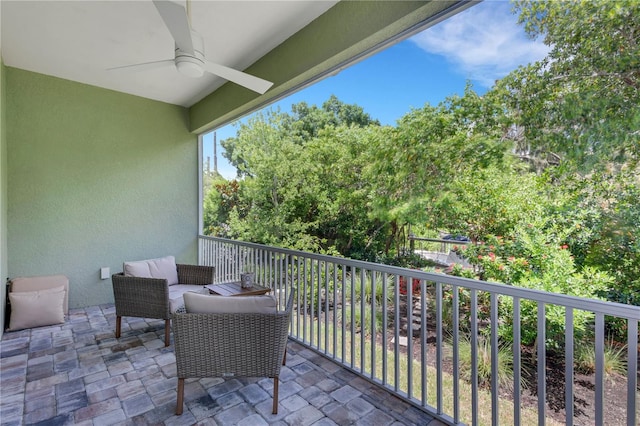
{"x": 536, "y": 259}
{"x": 406, "y": 259}
{"x": 457, "y": 270}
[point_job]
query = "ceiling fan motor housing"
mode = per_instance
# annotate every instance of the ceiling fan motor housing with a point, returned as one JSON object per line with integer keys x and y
{"x": 191, "y": 64}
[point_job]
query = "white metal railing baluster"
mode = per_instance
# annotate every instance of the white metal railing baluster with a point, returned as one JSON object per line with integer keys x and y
{"x": 456, "y": 356}
{"x": 343, "y": 321}
{"x": 474, "y": 357}
{"x": 599, "y": 392}
{"x": 297, "y": 290}
{"x": 423, "y": 343}
{"x": 396, "y": 334}
{"x": 227, "y": 257}
{"x": 326, "y": 307}
{"x": 385, "y": 325}
{"x": 494, "y": 360}
{"x": 234, "y": 266}
{"x": 312, "y": 297}
{"x": 517, "y": 369}
{"x": 334, "y": 280}
{"x": 266, "y": 255}
{"x": 439, "y": 343}
{"x": 632, "y": 369}
{"x": 306, "y": 309}
{"x": 363, "y": 322}
{"x": 319, "y": 313}
{"x": 568, "y": 362}
{"x": 353, "y": 317}
{"x": 410, "y": 339}
{"x": 373, "y": 323}
{"x": 542, "y": 364}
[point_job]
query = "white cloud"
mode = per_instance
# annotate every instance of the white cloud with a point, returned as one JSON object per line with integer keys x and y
{"x": 483, "y": 43}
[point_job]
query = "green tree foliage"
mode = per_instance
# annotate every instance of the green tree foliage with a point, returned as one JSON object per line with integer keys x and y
{"x": 490, "y": 201}
{"x": 278, "y": 193}
{"x": 223, "y": 198}
{"x": 337, "y": 158}
{"x": 306, "y": 121}
{"x": 600, "y": 214}
{"x": 302, "y": 185}
{"x": 582, "y": 102}
{"x": 303, "y": 124}
{"x": 416, "y": 161}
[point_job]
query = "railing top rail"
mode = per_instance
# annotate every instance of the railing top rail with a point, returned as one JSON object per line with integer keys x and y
{"x": 593, "y": 305}
{"x": 437, "y": 240}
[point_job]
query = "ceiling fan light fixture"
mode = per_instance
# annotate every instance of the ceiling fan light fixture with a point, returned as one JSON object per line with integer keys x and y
{"x": 188, "y": 63}
{"x": 189, "y": 67}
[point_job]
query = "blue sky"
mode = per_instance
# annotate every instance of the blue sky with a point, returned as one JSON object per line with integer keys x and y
{"x": 482, "y": 44}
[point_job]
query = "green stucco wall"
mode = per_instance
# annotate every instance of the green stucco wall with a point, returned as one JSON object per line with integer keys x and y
{"x": 95, "y": 178}
{"x": 3, "y": 196}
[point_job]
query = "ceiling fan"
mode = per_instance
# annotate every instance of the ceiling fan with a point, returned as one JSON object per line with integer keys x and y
{"x": 189, "y": 52}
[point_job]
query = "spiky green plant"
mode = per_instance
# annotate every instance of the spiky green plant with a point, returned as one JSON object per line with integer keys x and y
{"x": 614, "y": 359}
{"x": 483, "y": 349}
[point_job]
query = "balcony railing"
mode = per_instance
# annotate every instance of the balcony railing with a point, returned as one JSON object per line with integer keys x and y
{"x": 404, "y": 330}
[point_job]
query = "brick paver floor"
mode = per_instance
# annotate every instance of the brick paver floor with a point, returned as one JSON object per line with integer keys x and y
{"x": 78, "y": 373}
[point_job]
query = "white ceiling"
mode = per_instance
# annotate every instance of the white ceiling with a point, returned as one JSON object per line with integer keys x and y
{"x": 78, "y": 40}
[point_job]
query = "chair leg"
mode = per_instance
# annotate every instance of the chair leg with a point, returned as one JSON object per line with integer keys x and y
{"x": 284, "y": 358}
{"x": 118, "y": 326}
{"x": 167, "y": 329}
{"x": 275, "y": 395}
{"x": 180, "y": 402}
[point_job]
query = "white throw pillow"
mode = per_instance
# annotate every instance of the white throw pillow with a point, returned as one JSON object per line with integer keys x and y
{"x": 164, "y": 267}
{"x": 197, "y": 303}
{"x": 138, "y": 269}
{"x": 42, "y": 282}
{"x": 36, "y": 308}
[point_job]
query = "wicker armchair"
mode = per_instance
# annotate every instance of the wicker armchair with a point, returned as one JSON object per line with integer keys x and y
{"x": 230, "y": 345}
{"x": 150, "y": 297}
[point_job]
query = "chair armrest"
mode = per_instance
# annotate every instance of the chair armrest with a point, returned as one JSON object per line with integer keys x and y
{"x": 141, "y": 297}
{"x": 195, "y": 274}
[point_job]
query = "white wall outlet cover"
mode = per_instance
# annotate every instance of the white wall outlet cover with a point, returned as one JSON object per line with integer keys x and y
{"x": 104, "y": 273}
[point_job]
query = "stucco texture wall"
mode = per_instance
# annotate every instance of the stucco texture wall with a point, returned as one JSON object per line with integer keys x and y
{"x": 3, "y": 197}
{"x": 95, "y": 178}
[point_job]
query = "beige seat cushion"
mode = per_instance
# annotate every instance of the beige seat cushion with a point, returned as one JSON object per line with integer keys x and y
{"x": 36, "y": 308}
{"x": 163, "y": 267}
{"x": 177, "y": 291}
{"x": 43, "y": 282}
{"x": 210, "y": 304}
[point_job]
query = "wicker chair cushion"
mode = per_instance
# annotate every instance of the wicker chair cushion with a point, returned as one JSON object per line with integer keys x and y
{"x": 177, "y": 291}
{"x": 164, "y": 268}
{"x": 36, "y": 308}
{"x": 208, "y": 304}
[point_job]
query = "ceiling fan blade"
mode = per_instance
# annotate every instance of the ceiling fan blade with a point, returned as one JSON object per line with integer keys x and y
{"x": 243, "y": 79}
{"x": 145, "y": 66}
{"x": 176, "y": 20}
